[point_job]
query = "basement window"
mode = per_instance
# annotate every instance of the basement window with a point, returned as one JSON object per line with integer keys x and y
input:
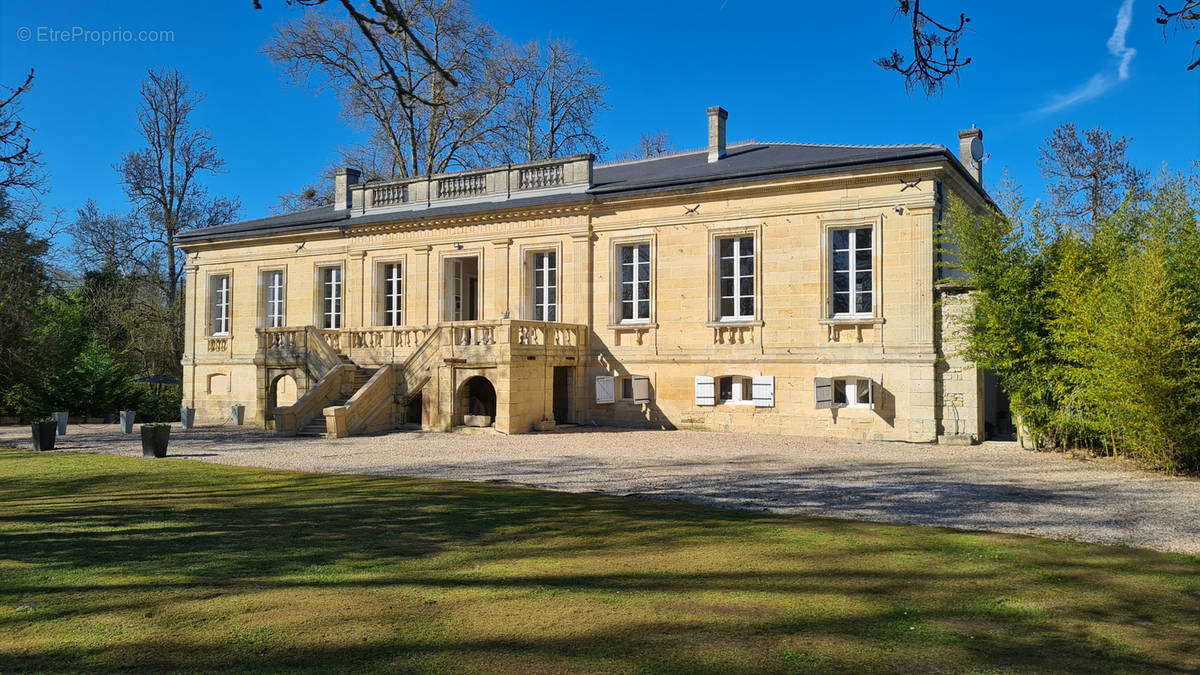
{"x": 843, "y": 392}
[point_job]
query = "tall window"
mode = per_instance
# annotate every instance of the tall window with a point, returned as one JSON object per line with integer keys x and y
{"x": 220, "y": 305}
{"x": 331, "y": 304}
{"x": 274, "y": 287}
{"x": 736, "y": 283}
{"x": 545, "y": 286}
{"x": 393, "y": 313}
{"x": 853, "y": 287}
{"x": 635, "y": 282}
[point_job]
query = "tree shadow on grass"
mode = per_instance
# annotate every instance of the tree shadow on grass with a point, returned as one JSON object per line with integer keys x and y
{"x": 203, "y": 566}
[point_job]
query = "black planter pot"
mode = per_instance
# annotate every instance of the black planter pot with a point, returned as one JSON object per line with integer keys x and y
{"x": 43, "y": 435}
{"x": 154, "y": 440}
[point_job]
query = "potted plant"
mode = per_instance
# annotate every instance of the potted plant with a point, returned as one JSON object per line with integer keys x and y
{"x": 154, "y": 439}
{"x": 44, "y": 431}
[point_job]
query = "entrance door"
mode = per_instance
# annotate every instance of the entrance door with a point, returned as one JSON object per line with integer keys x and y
{"x": 562, "y": 394}
{"x": 462, "y": 289}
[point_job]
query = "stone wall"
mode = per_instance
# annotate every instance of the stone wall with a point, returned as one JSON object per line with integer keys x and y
{"x": 960, "y": 383}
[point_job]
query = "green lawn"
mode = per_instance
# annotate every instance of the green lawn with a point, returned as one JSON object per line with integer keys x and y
{"x": 114, "y": 564}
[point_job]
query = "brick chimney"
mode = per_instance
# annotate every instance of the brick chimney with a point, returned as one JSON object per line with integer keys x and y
{"x": 970, "y": 151}
{"x": 716, "y": 132}
{"x": 343, "y": 179}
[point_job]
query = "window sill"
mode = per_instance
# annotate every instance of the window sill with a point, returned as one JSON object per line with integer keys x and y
{"x": 734, "y": 323}
{"x": 852, "y": 321}
{"x": 633, "y": 325}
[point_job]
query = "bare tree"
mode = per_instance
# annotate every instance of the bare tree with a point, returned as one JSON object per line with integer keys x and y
{"x": 553, "y": 112}
{"x": 650, "y": 145}
{"x": 935, "y": 54}
{"x": 386, "y": 17}
{"x": 162, "y": 179}
{"x": 311, "y": 196}
{"x": 432, "y": 130}
{"x": 1186, "y": 17}
{"x": 163, "y": 182}
{"x": 18, "y": 162}
{"x": 1087, "y": 176}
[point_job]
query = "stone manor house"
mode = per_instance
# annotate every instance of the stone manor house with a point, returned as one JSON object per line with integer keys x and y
{"x": 777, "y": 287}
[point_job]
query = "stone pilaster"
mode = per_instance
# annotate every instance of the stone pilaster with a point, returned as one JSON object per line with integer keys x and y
{"x": 422, "y": 295}
{"x": 190, "y": 339}
{"x": 924, "y": 406}
{"x": 500, "y": 276}
{"x": 579, "y": 307}
{"x": 362, "y": 309}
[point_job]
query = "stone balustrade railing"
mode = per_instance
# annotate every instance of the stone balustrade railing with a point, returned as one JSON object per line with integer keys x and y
{"x": 499, "y": 182}
{"x": 321, "y": 350}
{"x": 735, "y": 334}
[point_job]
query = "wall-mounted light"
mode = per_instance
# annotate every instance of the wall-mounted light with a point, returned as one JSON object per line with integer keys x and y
{"x": 898, "y": 209}
{"x": 457, "y": 246}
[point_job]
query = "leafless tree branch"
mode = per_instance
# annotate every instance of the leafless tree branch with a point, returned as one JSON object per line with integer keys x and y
{"x": 935, "y": 52}
{"x": 1185, "y": 18}
{"x": 390, "y": 20}
{"x": 19, "y": 164}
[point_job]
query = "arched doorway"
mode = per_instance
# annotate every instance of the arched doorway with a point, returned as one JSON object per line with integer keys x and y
{"x": 477, "y": 398}
{"x": 284, "y": 392}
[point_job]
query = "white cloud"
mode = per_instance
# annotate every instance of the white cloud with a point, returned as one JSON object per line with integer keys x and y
{"x": 1101, "y": 82}
{"x": 1116, "y": 43}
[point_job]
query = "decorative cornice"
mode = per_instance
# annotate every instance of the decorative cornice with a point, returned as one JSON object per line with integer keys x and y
{"x": 488, "y": 217}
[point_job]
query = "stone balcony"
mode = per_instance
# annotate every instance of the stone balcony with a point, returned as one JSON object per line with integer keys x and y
{"x": 474, "y": 341}
{"x": 496, "y": 183}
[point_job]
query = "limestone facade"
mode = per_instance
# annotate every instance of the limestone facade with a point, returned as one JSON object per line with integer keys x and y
{"x": 527, "y": 294}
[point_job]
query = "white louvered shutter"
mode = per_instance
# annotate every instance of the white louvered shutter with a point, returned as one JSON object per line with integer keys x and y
{"x": 605, "y": 389}
{"x": 641, "y": 389}
{"x": 763, "y": 390}
{"x": 823, "y": 393}
{"x": 706, "y": 390}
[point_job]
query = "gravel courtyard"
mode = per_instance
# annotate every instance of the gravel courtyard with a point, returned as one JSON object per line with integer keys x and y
{"x": 993, "y": 486}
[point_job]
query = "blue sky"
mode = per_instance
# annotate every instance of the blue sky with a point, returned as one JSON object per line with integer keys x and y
{"x": 786, "y": 71}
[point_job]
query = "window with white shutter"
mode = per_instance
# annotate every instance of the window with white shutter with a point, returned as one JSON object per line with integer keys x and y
{"x": 641, "y": 389}
{"x": 605, "y": 389}
{"x": 763, "y": 388}
{"x": 706, "y": 390}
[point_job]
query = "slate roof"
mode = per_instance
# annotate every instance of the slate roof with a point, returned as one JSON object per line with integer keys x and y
{"x": 742, "y": 162}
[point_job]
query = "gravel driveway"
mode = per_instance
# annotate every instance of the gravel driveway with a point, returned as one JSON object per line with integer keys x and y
{"x": 993, "y": 486}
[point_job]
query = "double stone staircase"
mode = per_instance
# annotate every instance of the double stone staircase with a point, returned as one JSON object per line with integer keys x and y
{"x": 348, "y": 399}
{"x": 318, "y": 426}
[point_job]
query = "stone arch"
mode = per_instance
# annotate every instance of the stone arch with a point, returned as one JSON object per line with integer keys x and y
{"x": 269, "y": 379}
{"x": 476, "y": 396}
{"x": 284, "y": 391}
